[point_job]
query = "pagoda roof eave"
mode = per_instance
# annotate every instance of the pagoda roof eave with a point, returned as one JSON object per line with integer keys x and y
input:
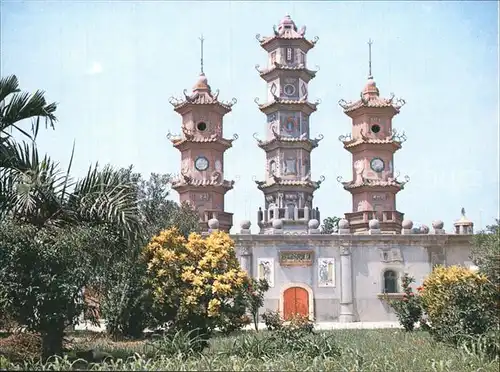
{"x": 359, "y": 107}
{"x": 186, "y": 183}
{"x": 269, "y": 42}
{"x": 270, "y": 73}
{"x": 186, "y": 106}
{"x": 368, "y": 184}
{"x": 276, "y": 105}
{"x": 281, "y": 183}
{"x": 352, "y": 146}
{"x": 223, "y": 142}
{"x": 281, "y": 141}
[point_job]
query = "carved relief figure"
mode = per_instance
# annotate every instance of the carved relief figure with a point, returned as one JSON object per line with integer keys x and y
{"x": 362, "y": 206}
{"x": 290, "y": 166}
{"x": 218, "y": 166}
{"x": 272, "y": 167}
{"x": 326, "y": 272}
{"x": 359, "y": 167}
{"x": 266, "y": 270}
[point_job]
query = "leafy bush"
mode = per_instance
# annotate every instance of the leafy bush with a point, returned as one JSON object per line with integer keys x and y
{"x": 195, "y": 283}
{"x": 409, "y": 309}
{"x": 272, "y": 320}
{"x": 299, "y": 322}
{"x": 459, "y": 303}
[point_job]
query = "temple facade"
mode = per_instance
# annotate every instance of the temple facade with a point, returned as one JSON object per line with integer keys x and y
{"x": 346, "y": 276}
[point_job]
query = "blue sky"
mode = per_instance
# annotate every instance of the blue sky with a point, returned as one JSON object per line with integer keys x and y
{"x": 113, "y": 65}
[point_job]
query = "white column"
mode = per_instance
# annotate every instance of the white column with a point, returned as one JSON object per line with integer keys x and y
{"x": 246, "y": 260}
{"x": 346, "y": 303}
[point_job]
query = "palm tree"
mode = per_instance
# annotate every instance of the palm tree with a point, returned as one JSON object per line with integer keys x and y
{"x": 15, "y": 108}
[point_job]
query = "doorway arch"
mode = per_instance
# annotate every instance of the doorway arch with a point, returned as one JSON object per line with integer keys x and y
{"x": 296, "y": 298}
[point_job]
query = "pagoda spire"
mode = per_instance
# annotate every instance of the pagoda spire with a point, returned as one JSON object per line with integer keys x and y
{"x": 370, "y": 42}
{"x": 201, "y": 54}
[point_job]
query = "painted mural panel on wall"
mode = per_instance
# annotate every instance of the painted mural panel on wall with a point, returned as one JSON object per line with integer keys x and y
{"x": 326, "y": 272}
{"x": 266, "y": 270}
{"x": 290, "y": 124}
{"x": 296, "y": 258}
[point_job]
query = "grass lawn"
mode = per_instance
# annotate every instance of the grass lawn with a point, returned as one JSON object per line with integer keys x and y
{"x": 360, "y": 350}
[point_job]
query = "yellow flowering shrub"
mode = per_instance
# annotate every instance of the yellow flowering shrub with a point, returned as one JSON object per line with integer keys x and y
{"x": 458, "y": 302}
{"x": 195, "y": 282}
{"x": 436, "y": 289}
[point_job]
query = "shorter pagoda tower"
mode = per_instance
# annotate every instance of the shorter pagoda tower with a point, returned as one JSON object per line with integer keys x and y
{"x": 287, "y": 187}
{"x": 372, "y": 143}
{"x": 201, "y": 182}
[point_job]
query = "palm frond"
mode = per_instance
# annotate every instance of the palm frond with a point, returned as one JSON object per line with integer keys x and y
{"x": 17, "y": 106}
{"x": 107, "y": 196}
{"x": 8, "y": 85}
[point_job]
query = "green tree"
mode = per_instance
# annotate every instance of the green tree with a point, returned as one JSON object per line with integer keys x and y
{"x": 126, "y": 303}
{"x": 43, "y": 272}
{"x": 486, "y": 252}
{"x": 330, "y": 225}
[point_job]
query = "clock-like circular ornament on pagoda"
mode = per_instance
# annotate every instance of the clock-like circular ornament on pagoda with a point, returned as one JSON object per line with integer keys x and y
{"x": 201, "y": 163}
{"x": 289, "y": 89}
{"x": 377, "y": 165}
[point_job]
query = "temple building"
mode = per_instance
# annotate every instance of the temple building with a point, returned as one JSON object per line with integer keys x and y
{"x": 346, "y": 276}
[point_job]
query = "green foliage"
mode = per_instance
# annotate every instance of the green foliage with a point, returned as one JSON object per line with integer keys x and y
{"x": 486, "y": 254}
{"x": 361, "y": 350}
{"x": 255, "y": 298}
{"x": 409, "y": 309}
{"x": 330, "y": 225}
{"x": 43, "y": 272}
{"x": 272, "y": 320}
{"x": 460, "y": 304}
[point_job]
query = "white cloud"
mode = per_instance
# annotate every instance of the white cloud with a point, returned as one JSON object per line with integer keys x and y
{"x": 95, "y": 69}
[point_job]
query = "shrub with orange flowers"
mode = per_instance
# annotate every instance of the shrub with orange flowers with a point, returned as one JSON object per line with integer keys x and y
{"x": 196, "y": 283}
{"x": 459, "y": 303}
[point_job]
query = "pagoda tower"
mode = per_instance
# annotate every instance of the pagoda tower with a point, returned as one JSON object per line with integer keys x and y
{"x": 287, "y": 187}
{"x": 202, "y": 146}
{"x": 372, "y": 144}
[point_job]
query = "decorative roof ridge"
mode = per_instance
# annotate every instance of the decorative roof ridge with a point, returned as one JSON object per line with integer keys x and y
{"x": 278, "y": 100}
{"x": 279, "y": 66}
{"x": 395, "y": 136}
{"x": 391, "y": 181}
{"x": 372, "y": 101}
{"x": 201, "y": 97}
{"x": 276, "y": 180}
{"x": 279, "y": 138}
{"x": 189, "y": 137}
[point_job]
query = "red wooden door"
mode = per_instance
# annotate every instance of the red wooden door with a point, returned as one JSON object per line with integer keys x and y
{"x": 295, "y": 301}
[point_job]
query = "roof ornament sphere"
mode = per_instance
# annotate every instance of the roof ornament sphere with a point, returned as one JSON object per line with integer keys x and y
{"x": 213, "y": 224}
{"x": 437, "y": 225}
{"x": 407, "y": 224}
{"x": 313, "y": 224}
{"x": 202, "y": 82}
{"x": 424, "y": 229}
{"x": 277, "y": 224}
{"x": 245, "y": 224}
{"x": 374, "y": 224}
{"x": 343, "y": 224}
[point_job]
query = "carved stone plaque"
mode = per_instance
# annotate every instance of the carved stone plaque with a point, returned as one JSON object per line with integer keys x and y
{"x": 296, "y": 258}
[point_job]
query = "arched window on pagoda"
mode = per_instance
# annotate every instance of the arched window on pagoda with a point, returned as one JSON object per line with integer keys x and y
{"x": 390, "y": 281}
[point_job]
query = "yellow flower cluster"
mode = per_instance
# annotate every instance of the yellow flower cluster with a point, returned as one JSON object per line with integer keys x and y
{"x": 203, "y": 272}
{"x": 437, "y": 286}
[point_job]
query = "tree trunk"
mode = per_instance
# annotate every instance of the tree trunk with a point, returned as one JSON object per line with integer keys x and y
{"x": 52, "y": 342}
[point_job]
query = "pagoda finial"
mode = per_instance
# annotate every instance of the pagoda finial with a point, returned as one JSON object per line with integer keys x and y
{"x": 201, "y": 53}
{"x": 370, "y": 42}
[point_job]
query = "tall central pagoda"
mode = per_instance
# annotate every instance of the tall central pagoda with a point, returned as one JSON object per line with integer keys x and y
{"x": 287, "y": 187}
